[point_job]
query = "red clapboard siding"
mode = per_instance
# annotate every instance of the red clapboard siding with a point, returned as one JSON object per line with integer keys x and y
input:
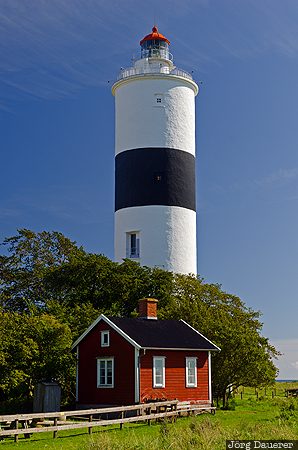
{"x": 123, "y": 392}
{"x": 175, "y": 383}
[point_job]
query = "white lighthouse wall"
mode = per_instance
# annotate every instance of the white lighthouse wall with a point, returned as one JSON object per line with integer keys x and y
{"x": 167, "y": 236}
{"x": 141, "y": 121}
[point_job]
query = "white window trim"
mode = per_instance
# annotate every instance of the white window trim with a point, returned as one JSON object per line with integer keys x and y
{"x": 106, "y": 386}
{"x": 159, "y": 100}
{"x": 136, "y": 253}
{"x": 102, "y": 340}
{"x": 163, "y": 359}
{"x": 195, "y": 384}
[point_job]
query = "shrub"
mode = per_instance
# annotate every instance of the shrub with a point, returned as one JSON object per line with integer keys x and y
{"x": 287, "y": 410}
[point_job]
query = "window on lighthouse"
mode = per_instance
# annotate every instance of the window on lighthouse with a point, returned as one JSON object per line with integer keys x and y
{"x": 158, "y": 100}
{"x": 155, "y": 48}
{"x": 132, "y": 245}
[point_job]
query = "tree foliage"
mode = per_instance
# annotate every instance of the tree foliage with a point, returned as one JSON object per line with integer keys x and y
{"x": 246, "y": 357}
{"x": 51, "y": 291}
{"x": 30, "y": 257}
{"x": 33, "y": 348}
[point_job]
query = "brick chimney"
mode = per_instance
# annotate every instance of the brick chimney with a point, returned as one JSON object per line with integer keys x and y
{"x": 148, "y": 308}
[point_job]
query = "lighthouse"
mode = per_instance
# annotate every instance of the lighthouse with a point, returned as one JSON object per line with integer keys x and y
{"x": 155, "y": 202}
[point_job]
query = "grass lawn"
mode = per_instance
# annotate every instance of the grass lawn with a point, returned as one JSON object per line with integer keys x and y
{"x": 262, "y": 418}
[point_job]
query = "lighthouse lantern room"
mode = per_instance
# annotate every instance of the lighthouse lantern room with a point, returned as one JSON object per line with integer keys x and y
{"x": 155, "y": 206}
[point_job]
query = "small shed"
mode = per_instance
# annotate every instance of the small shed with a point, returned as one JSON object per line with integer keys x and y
{"x": 122, "y": 361}
{"x": 46, "y": 397}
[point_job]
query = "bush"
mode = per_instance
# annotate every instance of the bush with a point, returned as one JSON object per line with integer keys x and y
{"x": 287, "y": 410}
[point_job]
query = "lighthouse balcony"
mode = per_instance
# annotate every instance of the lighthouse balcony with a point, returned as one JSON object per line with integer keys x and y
{"x": 162, "y": 70}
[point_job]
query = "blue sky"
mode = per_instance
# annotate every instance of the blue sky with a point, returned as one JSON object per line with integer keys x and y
{"x": 58, "y": 60}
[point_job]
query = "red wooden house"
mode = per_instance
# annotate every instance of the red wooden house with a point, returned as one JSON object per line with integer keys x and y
{"x": 122, "y": 361}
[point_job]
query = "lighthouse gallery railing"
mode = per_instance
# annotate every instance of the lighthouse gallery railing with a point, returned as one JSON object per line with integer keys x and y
{"x": 133, "y": 71}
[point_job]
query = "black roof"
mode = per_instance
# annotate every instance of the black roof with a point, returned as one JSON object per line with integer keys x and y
{"x": 150, "y": 333}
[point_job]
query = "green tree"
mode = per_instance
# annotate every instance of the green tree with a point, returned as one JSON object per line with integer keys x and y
{"x": 32, "y": 349}
{"x": 246, "y": 357}
{"x": 29, "y": 256}
{"x": 109, "y": 287}
{"x": 47, "y": 267}
{"x": 49, "y": 285}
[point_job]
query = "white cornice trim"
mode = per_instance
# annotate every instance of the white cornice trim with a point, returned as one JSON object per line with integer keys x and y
{"x": 187, "y": 81}
{"x": 112, "y": 325}
{"x": 181, "y": 349}
{"x": 217, "y": 348}
{"x": 134, "y": 343}
{"x": 137, "y": 375}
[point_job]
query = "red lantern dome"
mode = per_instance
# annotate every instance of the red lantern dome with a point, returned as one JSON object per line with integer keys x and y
{"x": 155, "y": 45}
{"x": 155, "y": 35}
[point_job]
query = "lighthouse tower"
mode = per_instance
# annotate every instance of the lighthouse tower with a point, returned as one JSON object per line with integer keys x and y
{"x": 155, "y": 206}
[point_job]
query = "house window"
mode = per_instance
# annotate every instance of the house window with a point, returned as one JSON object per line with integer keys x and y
{"x": 105, "y": 338}
{"x": 132, "y": 245}
{"x": 191, "y": 372}
{"x": 159, "y": 371}
{"x": 105, "y": 372}
{"x": 158, "y": 100}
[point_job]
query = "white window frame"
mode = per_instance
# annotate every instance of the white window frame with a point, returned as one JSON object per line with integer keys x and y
{"x": 159, "y": 100}
{"x": 163, "y": 383}
{"x": 106, "y": 360}
{"x": 102, "y": 338}
{"x": 136, "y": 253}
{"x": 187, "y": 382}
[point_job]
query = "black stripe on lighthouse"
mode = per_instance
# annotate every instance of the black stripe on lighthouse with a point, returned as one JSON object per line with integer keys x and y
{"x": 155, "y": 176}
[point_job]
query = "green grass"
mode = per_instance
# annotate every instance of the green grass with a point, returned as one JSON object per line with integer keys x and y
{"x": 263, "y": 418}
{"x": 277, "y": 390}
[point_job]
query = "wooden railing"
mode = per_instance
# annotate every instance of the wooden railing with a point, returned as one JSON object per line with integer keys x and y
{"x": 87, "y": 418}
{"x": 194, "y": 408}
